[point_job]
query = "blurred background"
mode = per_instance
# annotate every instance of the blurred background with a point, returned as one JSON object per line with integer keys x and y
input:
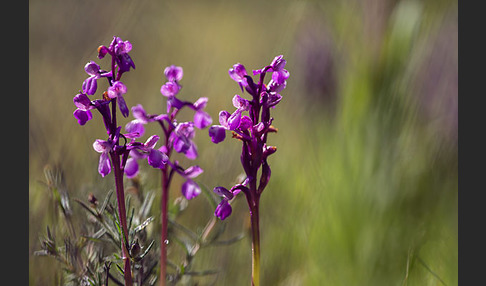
{"x": 364, "y": 182}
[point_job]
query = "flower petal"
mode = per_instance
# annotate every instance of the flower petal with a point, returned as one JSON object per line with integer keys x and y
{"x": 237, "y": 73}
{"x": 234, "y": 120}
{"x": 140, "y": 114}
{"x": 191, "y": 153}
{"x": 193, "y": 171}
{"x": 200, "y": 103}
{"x": 202, "y": 119}
{"x": 82, "y": 116}
{"x": 240, "y": 103}
{"x": 190, "y": 189}
{"x": 104, "y": 166}
{"x": 170, "y": 89}
{"x": 131, "y": 168}
{"x": 217, "y": 133}
{"x": 135, "y": 127}
{"x": 157, "y": 159}
{"x": 173, "y": 73}
{"x": 151, "y": 141}
{"x": 90, "y": 85}
{"x": 102, "y": 146}
{"x": 223, "y": 192}
{"x": 92, "y": 68}
{"x": 122, "y": 105}
{"x": 223, "y": 210}
{"x": 82, "y": 102}
{"x": 223, "y": 118}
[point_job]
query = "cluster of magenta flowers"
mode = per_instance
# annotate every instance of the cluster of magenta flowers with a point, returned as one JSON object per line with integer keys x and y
{"x": 121, "y": 62}
{"x": 178, "y": 135}
{"x": 250, "y": 123}
{"x": 251, "y": 129}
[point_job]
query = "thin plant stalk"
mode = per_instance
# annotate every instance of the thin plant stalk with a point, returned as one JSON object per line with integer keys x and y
{"x": 164, "y": 222}
{"x": 164, "y": 206}
{"x": 120, "y": 196}
{"x": 255, "y": 246}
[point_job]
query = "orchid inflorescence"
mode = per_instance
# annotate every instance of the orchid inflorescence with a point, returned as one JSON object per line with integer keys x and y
{"x": 121, "y": 62}
{"x": 252, "y": 129}
{"x": 178, "y": 135}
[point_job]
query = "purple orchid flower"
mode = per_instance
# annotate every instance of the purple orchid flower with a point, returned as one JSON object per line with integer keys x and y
{"x": 201, "y": 118}
{"x": 181, "y": 139}
{"x": 238, "y": 73}
{"x": 120, "y": 50}
{"x": 90, "y": 85}
{"x": 104, "y": 148}
{"x": 83, "y": 104}
{"x": 190, "y": 189}
{"x": 173, "y": 73}
{"x": 155, "y": 157}
{"x": 235, "y": 121}
{"x": 117, "y": 90}
{"x": 223, "y": 210}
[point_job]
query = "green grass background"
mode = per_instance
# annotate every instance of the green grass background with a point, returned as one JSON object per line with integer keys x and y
{"x": 364, "y": 182}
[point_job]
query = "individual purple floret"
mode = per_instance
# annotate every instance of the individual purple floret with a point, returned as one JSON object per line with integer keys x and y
{"x": 173, "y": 73}
{"x": 104, "y": 147}
{"x": 223, "y": 210}
{"x": 117, "y": 90}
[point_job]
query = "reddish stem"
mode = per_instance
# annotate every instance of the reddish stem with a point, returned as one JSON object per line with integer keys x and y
{"x": 164, "y": 220}
{"x": 120, "y": 196}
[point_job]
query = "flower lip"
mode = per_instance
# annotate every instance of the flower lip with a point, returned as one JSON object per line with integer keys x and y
{"x": 190, "y": 189}
{"x": 223, "y": 210}
{"x": 217, "y": 133}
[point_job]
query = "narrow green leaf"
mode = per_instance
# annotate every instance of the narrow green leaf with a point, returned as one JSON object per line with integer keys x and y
{"x": 84, "y": 205}
{"x": 146, "y": 205}
{"x": 212, "y": 199}
{"x": 147, "y": 249}
{"x": 106, "y": 201}
{"x": 143, "y": 224}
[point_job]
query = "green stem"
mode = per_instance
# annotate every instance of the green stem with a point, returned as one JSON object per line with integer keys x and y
{"x": 255, "y": 246}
